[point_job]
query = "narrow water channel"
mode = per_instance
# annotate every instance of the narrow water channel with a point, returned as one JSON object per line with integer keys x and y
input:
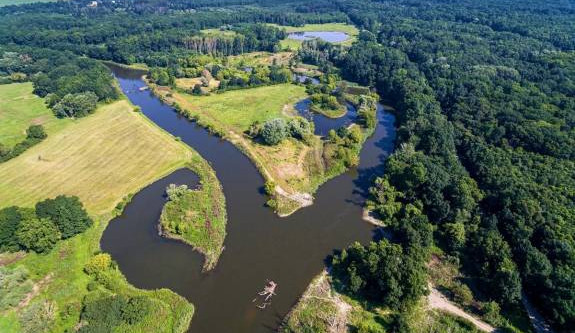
{"x": 258, "y": 246}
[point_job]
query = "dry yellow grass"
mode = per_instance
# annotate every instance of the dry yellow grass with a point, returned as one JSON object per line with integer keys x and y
{"x": 100, "y": 158}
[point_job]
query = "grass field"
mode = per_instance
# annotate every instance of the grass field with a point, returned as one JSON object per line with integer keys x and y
{"x": 102, "y": 159}
{"x": 237, "y": 110}
{"x": 19, "y": 109}
{"x": 99, "y": 166}
{"x": 21, "y": 2}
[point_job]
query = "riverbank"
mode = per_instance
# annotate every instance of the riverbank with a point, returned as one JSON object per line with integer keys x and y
{"x": 295, "y": 167}
{"x": 122, "y": 152}
{"x": 322, "y": 308}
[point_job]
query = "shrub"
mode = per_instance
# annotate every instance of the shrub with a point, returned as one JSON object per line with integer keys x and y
{"x": 106, "y": 314}
{"x": 300, "y": 127}
{"x": 274, "y": 131}
{"x": 98, "y": 263}
{"x": 67, "y": 213}
{"x": 36, "y": 132}
{"x": 175, "y": 192}
{"x": 38, "y": 317}
{"x": 270, "y": 188}
{"x": 14, "y": 286}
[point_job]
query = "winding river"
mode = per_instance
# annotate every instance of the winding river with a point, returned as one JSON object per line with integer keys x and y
{"x": 259, "y": 245}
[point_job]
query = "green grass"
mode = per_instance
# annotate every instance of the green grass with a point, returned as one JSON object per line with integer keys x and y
{"x": 21, "y": 2}
{"x": 199, "y": 217}
{"x": 237, "y": 110}
{"x": 19, "y": 109}
{"x": 101, "y": 158}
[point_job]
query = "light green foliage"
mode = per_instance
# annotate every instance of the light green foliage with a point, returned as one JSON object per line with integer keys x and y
{"x": 176, "y": 192}
{"x": 99, "y": 263}
{"x": 76, "y": 105}
{"x": 198, "y": 217}
{"x": 385, "y": 199}
{"x": 37, "y": 234}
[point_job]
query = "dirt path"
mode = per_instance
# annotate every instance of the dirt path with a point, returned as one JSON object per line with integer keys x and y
{"x": 321, "y": 289}
{"x": 35, "y": 290}
{"x": 439, "y": 302}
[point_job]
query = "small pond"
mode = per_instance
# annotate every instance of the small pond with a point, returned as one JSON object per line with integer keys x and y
{"x": 328, "y": 36}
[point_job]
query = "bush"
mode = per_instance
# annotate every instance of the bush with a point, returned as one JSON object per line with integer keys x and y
{"x": 270, "y": 188}
{"x": 67, "y": 213}
{"x": 274, "y": 131}
{"x": 106, "y": 314}
{"x": 36, "y": 132}
{"x": 300, "y": 127}
{"x": 38, "y": 317}
{"x": 175, "y": 192}
{"x": 14, "y": 286}
{"x": 98, "y": 263}
{"x": 37, "y": 234}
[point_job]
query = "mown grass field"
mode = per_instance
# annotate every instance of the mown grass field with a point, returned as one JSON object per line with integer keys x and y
{"x": 101, "y": 158}
{"x": 19, "y": 109}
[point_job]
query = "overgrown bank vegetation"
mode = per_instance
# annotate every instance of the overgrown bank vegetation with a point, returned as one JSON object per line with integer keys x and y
{"x": 197, "y": 216}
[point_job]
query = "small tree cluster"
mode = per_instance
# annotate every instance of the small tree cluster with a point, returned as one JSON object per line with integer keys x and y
{"x": 276, "y": 130}
{"x": 34, "y": 134}
{"x": 76, "y": 105}
{"x": 109, "y": 313}
{"x": 40, "y": 229}
{"x": 175, "y": 192}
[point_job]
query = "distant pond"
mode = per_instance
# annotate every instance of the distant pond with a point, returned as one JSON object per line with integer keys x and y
{"x": 328, "y": 36}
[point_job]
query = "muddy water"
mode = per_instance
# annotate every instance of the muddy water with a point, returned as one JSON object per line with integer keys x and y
{"x": 259, "y": 245}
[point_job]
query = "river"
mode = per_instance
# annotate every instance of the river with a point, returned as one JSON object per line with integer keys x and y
{"x": 259, "y": 245}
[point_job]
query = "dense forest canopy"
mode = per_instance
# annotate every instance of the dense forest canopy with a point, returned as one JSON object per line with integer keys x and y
{"x": 484, "y": 93}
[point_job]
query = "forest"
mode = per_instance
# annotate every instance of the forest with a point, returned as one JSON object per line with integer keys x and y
{"x": 484, "y": 98}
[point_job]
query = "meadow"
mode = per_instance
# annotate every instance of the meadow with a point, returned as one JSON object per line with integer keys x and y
{"x": 15, "y": 118}
{"x": 236, "y": 110}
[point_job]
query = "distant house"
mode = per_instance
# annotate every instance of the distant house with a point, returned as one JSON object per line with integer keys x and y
{"x": 93, "y": 4}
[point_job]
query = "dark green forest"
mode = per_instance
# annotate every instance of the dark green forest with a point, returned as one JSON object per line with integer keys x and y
{"x": 484, "y": 98}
